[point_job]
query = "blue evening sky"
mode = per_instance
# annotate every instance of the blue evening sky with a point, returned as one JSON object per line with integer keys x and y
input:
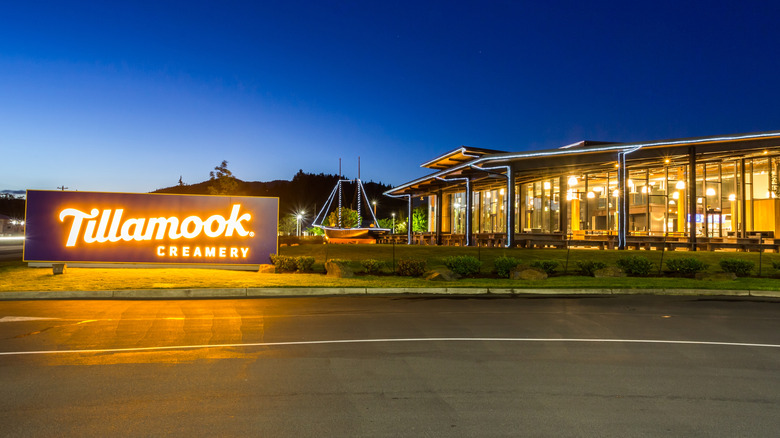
{"x": 128, "y": 96}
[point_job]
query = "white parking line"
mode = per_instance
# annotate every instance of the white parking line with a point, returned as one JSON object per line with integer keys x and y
{"x": 367, "y": 341}
{"x": 22, "y": 318}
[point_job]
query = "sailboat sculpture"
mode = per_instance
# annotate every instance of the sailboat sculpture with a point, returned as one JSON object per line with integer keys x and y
{"x": 336, "y": 228}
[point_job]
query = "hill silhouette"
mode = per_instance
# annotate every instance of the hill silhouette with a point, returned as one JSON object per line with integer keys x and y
{"x": 306, "y": 192}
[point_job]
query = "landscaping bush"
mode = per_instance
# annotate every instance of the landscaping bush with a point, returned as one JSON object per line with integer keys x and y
{"x": 685, "y": 265}
{"x": 372, "y": 266}
{"x": 411, "y": 267}
{"x": 741, "y": 268}
{"x": 588, "y": 267}
{"x": 504, "y": 265}
{"x": 465, "y": 266}
{"x": 304, "y": 263}
{"x": 284, "y": 263}
{"x": 776, "y": 264}
{"x": 635, "y": 266}
{"x": 548, "y": 266}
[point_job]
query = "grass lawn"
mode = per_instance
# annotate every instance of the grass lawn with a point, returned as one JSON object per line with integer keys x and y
{"x": 16, "y": 276}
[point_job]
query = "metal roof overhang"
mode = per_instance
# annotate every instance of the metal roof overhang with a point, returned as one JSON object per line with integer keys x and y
{"x": 538, "y": 164}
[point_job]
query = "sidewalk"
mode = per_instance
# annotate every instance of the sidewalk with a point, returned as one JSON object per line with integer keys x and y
{"x": 304, "y": 291}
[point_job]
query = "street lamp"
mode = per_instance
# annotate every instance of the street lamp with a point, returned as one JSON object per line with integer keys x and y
{"x": 393, "y": 230}
{"x": 299, "y": 217}
{"x": 374, "y": 203}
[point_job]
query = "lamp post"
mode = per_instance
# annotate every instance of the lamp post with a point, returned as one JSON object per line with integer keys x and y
{"x": 374, "y": 204}
{"x": 299, "y": 217}
{"x": 393, "y": 230}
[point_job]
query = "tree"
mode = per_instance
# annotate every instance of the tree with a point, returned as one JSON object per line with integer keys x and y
{"x": 349, "y": 218}
{"x": 315, "y": 231}
{"x": 222, "y": 182}
{"x": 288, "y": 225}
{"x": 181, "y": 182}
{"x": 420, "y": 219}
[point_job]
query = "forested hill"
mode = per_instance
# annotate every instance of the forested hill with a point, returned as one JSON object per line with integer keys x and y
{"x": 306, "y": 192}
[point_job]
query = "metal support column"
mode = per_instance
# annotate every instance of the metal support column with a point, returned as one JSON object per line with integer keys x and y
{"x": 510, "y": 207}
{"x": 437, "y": 212}
{"x": 743, "y": 200}
{"x": 622, "y": 207}
{"x": 563, "y": 207}
{"x": 692, "y": 197}
{"x": 469, "y": 202}
{"x": 409, "y": 223}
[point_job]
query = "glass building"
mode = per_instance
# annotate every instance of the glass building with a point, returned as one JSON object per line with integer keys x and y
{"x": 695, "y": 193}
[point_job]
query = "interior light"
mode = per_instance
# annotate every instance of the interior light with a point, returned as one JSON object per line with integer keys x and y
{"x": 487, "y": 194}
{"x": 615, "y": 193}
{"x": 591, "y": 195}
{"x": 680, "y": 185}
{"x": 676, "y": 195}
{"x": 666, "y": 161}
{"x": 699, "y": 200}
{"x": 710, "y": 192}
{"x": 732, "y": 197}
{"x": 598, "y": 189}
{"x": 572, "y": 181}
{"x": 547, "y": 185}
{"x": 671, "y": 202}
{"x": 501, "y": 192}
{"x": 644, "y": 189}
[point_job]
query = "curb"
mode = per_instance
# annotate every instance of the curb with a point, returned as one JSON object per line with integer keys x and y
{"x": 164, "y": 294}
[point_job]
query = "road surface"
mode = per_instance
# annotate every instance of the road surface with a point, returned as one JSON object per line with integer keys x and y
{"x": 392, "y": 366}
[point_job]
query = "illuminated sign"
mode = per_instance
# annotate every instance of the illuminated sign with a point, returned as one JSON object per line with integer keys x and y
{"x": 149, "y": 228}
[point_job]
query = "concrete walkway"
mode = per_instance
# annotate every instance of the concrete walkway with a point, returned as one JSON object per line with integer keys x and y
{"x": 335, "y": 291}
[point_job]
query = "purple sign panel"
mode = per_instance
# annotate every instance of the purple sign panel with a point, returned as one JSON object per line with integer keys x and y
{"x": 149, "y": 228}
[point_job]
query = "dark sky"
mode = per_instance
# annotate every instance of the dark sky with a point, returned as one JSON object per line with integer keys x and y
{"x": 109, "y": 97}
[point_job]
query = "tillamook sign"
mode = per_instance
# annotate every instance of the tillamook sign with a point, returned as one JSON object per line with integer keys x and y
{"x": 147, "y": 228}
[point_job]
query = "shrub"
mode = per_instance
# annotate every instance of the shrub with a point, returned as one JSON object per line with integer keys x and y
{"x": 635, "y": 266}
{"x": 588, "y": 267}
{"x": 548, "y": 266}
{"x": 411, "y": 267}
{"x": 284, "y": 263}
{"x": 504, "y": 265}
{"x": 685, "y": 265}
{"x": 738, "y": 266}
{"x": 304, "y": 263}
{"x": 372, "y": 266}
{"x": 464, "y": 266}
{"x": 776, "y": 264}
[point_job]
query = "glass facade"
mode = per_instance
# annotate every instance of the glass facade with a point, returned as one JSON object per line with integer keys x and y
{"x": 730, "y": 196}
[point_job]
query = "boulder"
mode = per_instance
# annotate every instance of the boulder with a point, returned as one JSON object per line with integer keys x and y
{"x": 266, "y": 269}
{"x": 527, "y": 273}
{"x": 716, "y": 276}
{"x": 441, "y": 274}
{"x": 335, "y": 269}
{"x": 609, "y": 271}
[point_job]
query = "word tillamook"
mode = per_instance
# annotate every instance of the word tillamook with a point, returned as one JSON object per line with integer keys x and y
{"x": 110, "y": 227}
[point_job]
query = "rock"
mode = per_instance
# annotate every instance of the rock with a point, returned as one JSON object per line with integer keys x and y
{"x": 609, "y": 271}
{"x": 717, "y": 276}
{"x": 339, "y": 270}
{"x": 267, "y": 269}
{"x": 527, "y": 273}
{"x": 441, "y": 274}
